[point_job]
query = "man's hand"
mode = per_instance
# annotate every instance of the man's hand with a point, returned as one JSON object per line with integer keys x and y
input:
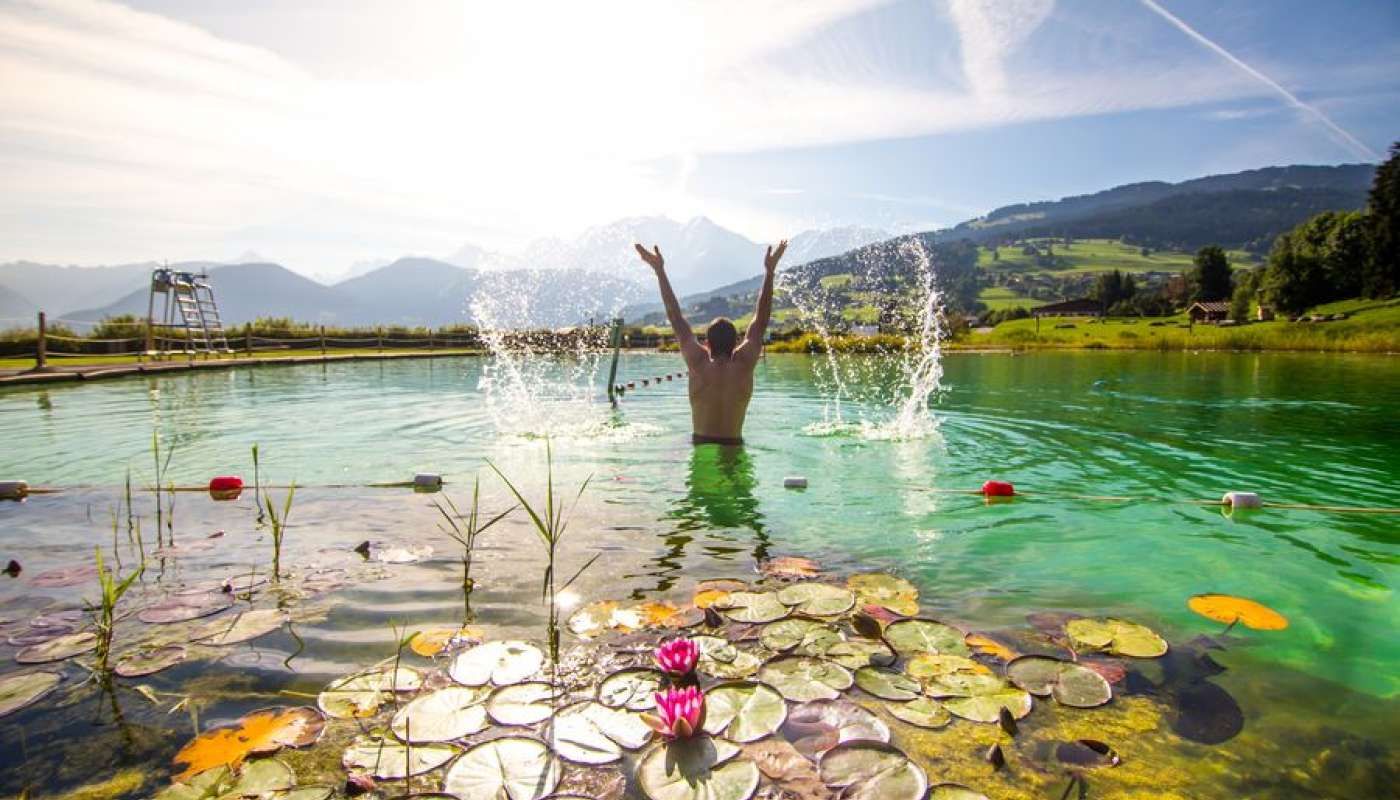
{"x": 652, "y": 256}
{"x": 770, "y": 261}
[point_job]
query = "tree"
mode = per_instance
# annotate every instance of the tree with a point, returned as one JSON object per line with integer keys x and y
{"x": 1294, "y": 279}
{"x": 1381, "y": 277}
{"x": 1243, "y": 299}
{"x": 1109, "y": 289}
{"x": 1210, "y": 277}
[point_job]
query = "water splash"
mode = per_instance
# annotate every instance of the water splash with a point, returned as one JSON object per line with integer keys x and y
{"x": 884, "y": 395}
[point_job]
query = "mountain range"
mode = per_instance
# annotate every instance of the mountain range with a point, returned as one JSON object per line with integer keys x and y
{"x": 594, "y": 275}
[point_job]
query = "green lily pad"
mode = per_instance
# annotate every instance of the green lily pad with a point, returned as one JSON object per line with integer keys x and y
{"x": 720, "y": 659}
{"x": 592, "y": 733}
{"x": 243, "y": 628}
{"x": 265, "y": 777}
{"x": 925, "y": 712}
{"x": 913, "y": 636}
{"x": 521, "y": 703}
{"x": 58, "y": 648}
{"x": 499, "y": 663}
{"x": 801, "y": 678}
{"x": 632, "y": 689}
{"x": 872, "y": 770}
{"x": 886, "y": 591}
{"x": 360, "y": 695}
{"x": 512, "y": 767}
{"x": 1069, "y": 683}
{"x": 1116, "y": 636}
{"x": 441, "y": 716}
{"x": 182, "y": 607}
{"x": 699, "y": 768}
{"x": 986, "y": 704}
{"x": 753, "y": 607}
{"x": 383, "y": 757}
{"x": 149, "y": 661}
{"x": 807, "y": 637}
{"x": 21, "y": 689}
{"x": 887, "y": 684}
{"x": 818, "y": 599}
{"x": 857, "y": 653}
{"x": 954, "y": 791}
{"x": 743, "y": 711}
{"x": 945, "y": 676}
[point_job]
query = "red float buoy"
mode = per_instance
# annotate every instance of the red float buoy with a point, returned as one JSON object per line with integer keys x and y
{"x": 998, "y": 489}
{"x": 225, "y": 487}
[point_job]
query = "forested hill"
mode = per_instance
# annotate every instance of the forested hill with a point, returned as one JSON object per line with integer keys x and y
{"x": 1245, "y": 210}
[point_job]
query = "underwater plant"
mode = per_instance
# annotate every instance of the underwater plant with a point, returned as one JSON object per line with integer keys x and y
{"x": 104, "y": 614}
{"x": 278, "y": 522}
{"x": 466, "y": 535}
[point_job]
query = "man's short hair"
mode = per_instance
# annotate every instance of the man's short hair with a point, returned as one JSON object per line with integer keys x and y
{"x": 721, "y": 337}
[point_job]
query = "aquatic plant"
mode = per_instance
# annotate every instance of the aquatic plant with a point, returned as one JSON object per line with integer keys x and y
{"x": 161, "y": 468}
{"x": 104, "y": 614}
{"x": 466, "y": 535}
{"x": 550, "y": 528}
{"x": 278, "y": 522}
{"x": 677, "y": 657}
{"x": 679, "y": 713}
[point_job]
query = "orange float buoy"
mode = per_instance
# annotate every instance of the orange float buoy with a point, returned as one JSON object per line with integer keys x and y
{"x": 225, "y": 487}
{"x": 998, "y": 489}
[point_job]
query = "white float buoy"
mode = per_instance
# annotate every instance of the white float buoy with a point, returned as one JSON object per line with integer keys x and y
{"x": 427, "y": 480}
{"x": 13, "y": 490}
{"x": 794, "y": 482}
{"x": 1241, "y": 500}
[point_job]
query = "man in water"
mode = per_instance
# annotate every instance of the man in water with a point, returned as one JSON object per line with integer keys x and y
{"x": 721, "y": 374}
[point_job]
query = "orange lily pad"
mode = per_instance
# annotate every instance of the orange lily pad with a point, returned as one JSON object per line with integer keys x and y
{"x": 1228, "y": 609}
{"x": 259, "y": 733}
{"x": 790, "y": 567}
{"x": 430, "y": 642}
{"x": 987, "y": 646}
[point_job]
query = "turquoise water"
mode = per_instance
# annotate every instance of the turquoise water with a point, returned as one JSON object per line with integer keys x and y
{"x": 1158, "y": 428}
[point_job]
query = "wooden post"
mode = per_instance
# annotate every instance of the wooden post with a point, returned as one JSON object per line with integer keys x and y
{"x": 41, "y": 350}
{"x": 380, "y": 333}
{"x": 248, "y": 338}
{"x": 430, "y": 338}
{"x": 323, "y": 341}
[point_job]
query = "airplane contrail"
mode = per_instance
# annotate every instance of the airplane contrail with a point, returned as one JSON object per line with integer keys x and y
{"x": 1354, "y": 143}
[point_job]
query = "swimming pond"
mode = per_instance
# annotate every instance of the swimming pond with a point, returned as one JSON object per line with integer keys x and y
{"x": 1155, "y": 428}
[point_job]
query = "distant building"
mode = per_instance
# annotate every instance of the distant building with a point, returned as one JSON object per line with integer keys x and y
{"x": 1082, "y": 307}
{"x": 1213, "y": 311}
{"x": 1266, "y": 313}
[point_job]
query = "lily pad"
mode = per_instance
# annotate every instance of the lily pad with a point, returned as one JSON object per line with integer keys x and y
{"x": 887, "y": 684}
{"x": 699, "y": 768}
{"x": 58, "y": 648}
{"x": 790, "y": 567}
{"x": 499, "y": 663}
{"x": 985, "y": 645}
{"x": 522, "y": 703}
{"x": 265, "y": 777}
{"x": 1230, "y": 609}
{"x": 1116, "y": 636}
{"x": 360, "y": 695}
{"x": 63, "y": 578}
{"x": 872, "y": 770}
{"x": 913, "y": 636}
{"x": 22, "y": 689}
{"x": 632, "y": 689}
{"x": 384, "y": 757}
{"x": 885, "y": 591}
{"x": 954, "y": 791}
{"x": 801, "y": 678}
{"x": 513, "y": 767}
{"x": 817, "y": 599}
{"x": 179, "y": 608}
{"x": 243, "y": 628}
{"x": 149, "y": 661}
{"x": 1069, "y": 683}
{"x": 720, "y": 659}
{"x": 259, "y": 733}
{"x": 925, "y": 712}
{"x": 753, "y": 607}
{"x": 743, "y": 711}
{"x": 857, "y": 653}
{"x": 819, "y": 726}
{"x": 944, "y": 675}
{"x": 986, "y": 704}
{"x": 806, "y": 637}
{"x": 441, "y": 716}
{"x": 431, "y": 641}
{"x": 592, "y": 733}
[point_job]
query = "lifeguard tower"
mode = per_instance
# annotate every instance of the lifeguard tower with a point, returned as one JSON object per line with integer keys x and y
{"x": 189, "y": 319}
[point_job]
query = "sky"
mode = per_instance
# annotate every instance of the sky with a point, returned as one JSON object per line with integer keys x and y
{"x": 318, "y": 133}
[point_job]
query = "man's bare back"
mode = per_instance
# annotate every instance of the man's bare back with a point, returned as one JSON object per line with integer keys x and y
{"x": 721, "y": 375}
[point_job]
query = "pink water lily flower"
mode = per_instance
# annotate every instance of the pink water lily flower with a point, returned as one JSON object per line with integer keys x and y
{"x": 678, "y": 656}
{"x": 679, "y": 713}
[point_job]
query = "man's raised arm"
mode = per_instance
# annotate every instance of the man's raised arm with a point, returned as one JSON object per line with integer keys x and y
{"x": 753, "y": 339}
{"x": 685, "y": 337}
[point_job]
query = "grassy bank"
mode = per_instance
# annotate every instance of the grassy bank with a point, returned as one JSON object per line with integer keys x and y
{"x": 27, "y": 362}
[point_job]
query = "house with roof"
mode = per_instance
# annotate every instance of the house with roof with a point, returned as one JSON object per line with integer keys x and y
{"x": 1209, "y": 311}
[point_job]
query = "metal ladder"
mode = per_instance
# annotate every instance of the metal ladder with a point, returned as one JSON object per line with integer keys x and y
{"x": 196, "y": 337}
{"x": 210, "y": 321}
